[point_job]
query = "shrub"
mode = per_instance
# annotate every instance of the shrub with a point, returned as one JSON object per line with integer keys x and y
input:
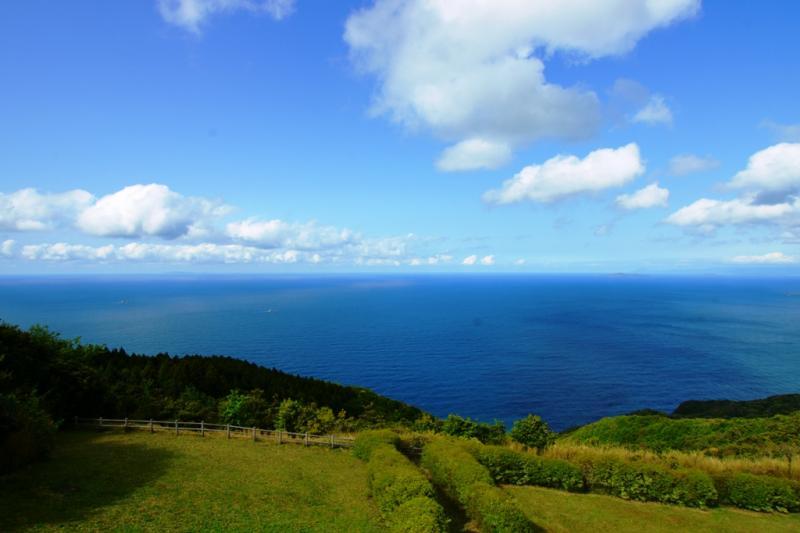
{"x": 456, "y": 426}
{"x": 455, "y": 469}
{"x": 532, "y": 432}
{"x": 367, "y": 441}
{"x": 418, "y": 515}
{"x": 494, "y": 510}
{"x": 26, "y": 431}
{"x": 402, "y": 492}
{"x": 508, "y": 466}
{"x": 647, "y": 482}
{"x": 758, "y": 493}
{"x": 393, "y": 480}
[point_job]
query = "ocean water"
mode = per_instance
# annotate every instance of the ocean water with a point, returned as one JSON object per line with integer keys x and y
{"x": 570, "y": 348}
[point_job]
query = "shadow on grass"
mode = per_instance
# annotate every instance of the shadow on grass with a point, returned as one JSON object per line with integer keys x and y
{"x": 85, "y": 473}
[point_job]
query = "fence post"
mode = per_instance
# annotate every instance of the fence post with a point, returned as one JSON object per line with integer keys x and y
{"x": 228, "y": 431}
{"x": 76, "y": 421}
{"x": 280, "y": 436}
{"x": 306, "y": 438}
{"x": 151, "y": 425}
{"x": 331, "y": 440}
{"x": 176, "y": 428}
{"x": 254, "y": 433}
{"x": 202, "y": 428}
{"x": 101, "y": 421}
{"x": 125, "y": 425}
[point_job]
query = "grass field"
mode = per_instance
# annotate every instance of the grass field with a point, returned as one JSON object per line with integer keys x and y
{"x": 559, "y": 511}
{"x": 137, "y": 481}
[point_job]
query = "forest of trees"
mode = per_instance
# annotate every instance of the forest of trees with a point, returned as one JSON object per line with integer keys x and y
{"x": 46, "y": 380}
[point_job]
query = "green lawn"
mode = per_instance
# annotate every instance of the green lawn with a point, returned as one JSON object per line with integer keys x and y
{"x": 138, "y": 481}
{"x": 559, "y": 511}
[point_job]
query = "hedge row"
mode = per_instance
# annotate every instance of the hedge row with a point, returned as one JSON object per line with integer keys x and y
{"x": 467, "y": 481}
{"x": 515, "y": 468}
{"x": 758, "y": 493}
{"x": 367, "y": 441}
{"x": 632, "y": 481}
{"x": 402, "y": 492}
{"x": 649, "y": 482}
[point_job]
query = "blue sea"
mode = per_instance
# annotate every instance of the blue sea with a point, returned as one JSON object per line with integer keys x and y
{"x": 570, "y": 348}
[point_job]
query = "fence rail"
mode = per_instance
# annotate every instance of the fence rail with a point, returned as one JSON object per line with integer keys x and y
{"x": 229, "y": 430}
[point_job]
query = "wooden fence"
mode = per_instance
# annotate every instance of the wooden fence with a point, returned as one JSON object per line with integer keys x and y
{"x": 230, "y": 431}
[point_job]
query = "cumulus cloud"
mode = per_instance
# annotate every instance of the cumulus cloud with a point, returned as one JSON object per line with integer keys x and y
{"x": 149, "y": 210}
{"x": 191, "y": 14}
{"x": 7, "y": 247}
{"x": 520, "y": 262}
{"x": 30, "y": 210}
{"x": 654, "y": 112}
{"x": 487, "y": 260}
{"x": 474, "y": 154}
{"x": 650, "y": 196}
{"x": 775, "y": 168}
{"x": 470, "y": 260}
{"x": 567, "y": 175}
{"x": 474, "y": 69}
{"x": 684, "y": 164}
{"x": 707, "y": 214}
{"x": 774, "y": 258}
{"x": 280, "y": 234}
{"x": 62, "y": 251}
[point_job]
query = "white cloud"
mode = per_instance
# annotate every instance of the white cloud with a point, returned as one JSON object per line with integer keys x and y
{"x": 564, "y": 176}
{"x": 684, "y": 164}
{"x": 30, "y": 210}
{"x": 655, "y": 111}
{"x": 7, "y": 247}
{"x": 487, "y": 260}
{"x": 62, "y": 251}
{"x": 474, "y": 154}
{"x": 775, "y": 168}
{"x": 709, "y": 214}
{"x": 650, "y": 196}
{"x": 520, "y": 262}
{"x": 470, "y": 260}
{"x": 149, "y": 210}
{"x": 280, "y": 234}
{"x": 774, "y": 258}
{"x": 470, "y": 70}
{"x": 191, "y": 14}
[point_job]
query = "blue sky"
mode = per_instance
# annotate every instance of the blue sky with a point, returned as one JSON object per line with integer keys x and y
{"x": 399, "y": 135}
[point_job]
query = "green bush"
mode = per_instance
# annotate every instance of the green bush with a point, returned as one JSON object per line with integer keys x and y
{"x": 455, "y": 469}
{"x": 494, "y": 510}
{"x": 532, "y": 432}
{"x": 758, "y": 493}
{"x": 26, "y": 431}
{"x": 393, "y": 480}
{"x": 403, "y": 494}
{"x": 456, "y": 426}
{"x": 418, "y": 515}
{"x": 367, "y": 441}
{"x": 648, "y": 482}
{"x": 508, "y": 466}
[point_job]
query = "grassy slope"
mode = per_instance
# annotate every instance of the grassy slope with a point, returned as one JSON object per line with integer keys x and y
{"x": 566, "y": 512}
{"x": 139, "y": 481}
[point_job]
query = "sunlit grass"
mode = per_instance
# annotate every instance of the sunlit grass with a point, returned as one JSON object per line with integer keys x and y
{"x": 559, "y": 511}
{"x": 772, "y": 466}
{"x": 139, "y": 481}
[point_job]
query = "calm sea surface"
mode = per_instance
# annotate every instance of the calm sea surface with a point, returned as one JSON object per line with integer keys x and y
{"x": 571, "y": 348}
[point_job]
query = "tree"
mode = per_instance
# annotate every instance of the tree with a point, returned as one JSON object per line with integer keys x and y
{"x": 532, "y": 432}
